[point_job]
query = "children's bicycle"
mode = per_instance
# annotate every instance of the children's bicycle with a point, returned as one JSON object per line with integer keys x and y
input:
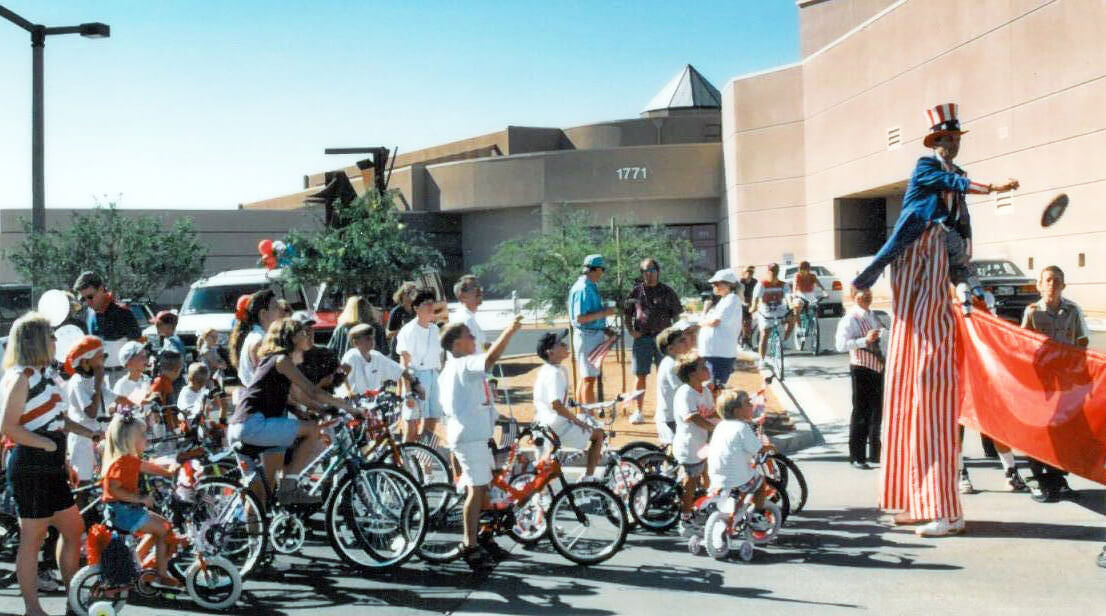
{"x": 585, "y": 522}
{"x": 103, "y": 586}
{"x": 773, "y": 350}
{"x": 735, "y": 521}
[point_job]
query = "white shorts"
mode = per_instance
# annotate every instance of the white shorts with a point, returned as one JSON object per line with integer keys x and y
{"x": 571, "y": 435}
{"x": 475, "y": 459}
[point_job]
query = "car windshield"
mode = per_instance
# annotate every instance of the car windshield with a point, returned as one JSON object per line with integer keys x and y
{"x": 995, "y": 269}
{"x": 212, "y": 300}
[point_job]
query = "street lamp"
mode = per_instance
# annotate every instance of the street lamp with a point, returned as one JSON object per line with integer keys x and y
{"x": 38, "y": 34}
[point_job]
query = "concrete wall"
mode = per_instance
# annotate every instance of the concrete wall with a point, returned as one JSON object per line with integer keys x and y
{"x": 823, "y": 21}
{"x": 1030, "y": 78}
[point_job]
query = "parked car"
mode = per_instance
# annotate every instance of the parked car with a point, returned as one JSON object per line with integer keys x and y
{"x": 1013, "y": 290}
{"x": 831, "y": 306}
{"x": 15, "y": 299}
{"x": 210, "y": 303}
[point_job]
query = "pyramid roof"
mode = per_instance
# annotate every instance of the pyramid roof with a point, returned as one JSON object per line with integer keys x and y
{"x": 688, "y": 89}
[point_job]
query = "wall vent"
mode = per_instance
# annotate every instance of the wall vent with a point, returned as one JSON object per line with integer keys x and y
{"x": 894, "y": 137}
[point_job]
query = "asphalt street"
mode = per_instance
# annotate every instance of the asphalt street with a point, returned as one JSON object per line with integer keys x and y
{"x": 838, "y": 556}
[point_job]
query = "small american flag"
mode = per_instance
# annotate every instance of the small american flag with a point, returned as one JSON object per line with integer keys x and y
{"x": 595, "y": 358}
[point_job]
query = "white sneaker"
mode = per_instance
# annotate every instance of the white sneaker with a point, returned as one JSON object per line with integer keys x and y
{"x": 941, "y": 527}
{"x": 47, "y": 582}
{"x": 966, "y": 486}
{"x": 637, "y": 418}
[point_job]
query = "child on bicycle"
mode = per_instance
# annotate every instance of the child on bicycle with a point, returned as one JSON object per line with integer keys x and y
{"x": 693, "y": 405}
{"x": 804, "y": 293}
{"x": 770, "y": 307}
{"x": 125, "y": 509}
{"x": 672, "y": 343}
{"x": 196, "y": 399}
{"x": 366, "y": 368}
{"x": 734, "y": 446}
{"x": 551, "y": 398}
{"x": 134, "y": 387}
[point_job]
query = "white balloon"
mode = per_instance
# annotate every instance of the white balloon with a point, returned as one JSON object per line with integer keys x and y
{"x": 54, "y": 305}
{"x": 279, "y": 246}
{"x": 66, "y": 337}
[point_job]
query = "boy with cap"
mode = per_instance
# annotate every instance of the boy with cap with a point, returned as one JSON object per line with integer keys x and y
{"x": 421, "y": 353}
{"x": 133, "y": 386}
{"x": 470, "y": 422}
{"x": 588, "y": 316}
{"x": 365, "y": 367}
{"x": 551, "y": 400}
{"x": 672, "y": 343}
{"x": 88, "y": 398}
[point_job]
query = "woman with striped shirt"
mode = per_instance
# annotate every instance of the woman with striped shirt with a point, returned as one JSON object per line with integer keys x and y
{"x": 34, "y": 419}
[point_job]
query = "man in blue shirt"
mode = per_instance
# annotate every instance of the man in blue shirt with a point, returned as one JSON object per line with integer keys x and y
{"x": 588, "y": 316}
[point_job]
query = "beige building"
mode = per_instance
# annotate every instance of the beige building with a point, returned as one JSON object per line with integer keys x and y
{"x": 817, "y": 152}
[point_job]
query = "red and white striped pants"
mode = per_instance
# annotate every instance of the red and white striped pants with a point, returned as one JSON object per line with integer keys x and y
{"x": 921, "y": 447}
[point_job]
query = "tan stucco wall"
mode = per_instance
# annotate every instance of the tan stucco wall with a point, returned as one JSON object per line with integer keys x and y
{"x": 1030, "y": 78}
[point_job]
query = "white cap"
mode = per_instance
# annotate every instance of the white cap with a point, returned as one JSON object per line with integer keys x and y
{"x": 724, "y": 275}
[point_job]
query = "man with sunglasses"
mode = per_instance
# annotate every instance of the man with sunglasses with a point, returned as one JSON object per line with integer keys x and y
{"x": 109, "y": 320}
{"x": 651, "y": 308}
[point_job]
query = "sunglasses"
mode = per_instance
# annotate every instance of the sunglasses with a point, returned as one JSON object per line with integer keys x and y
{"x": 650, "y": 270}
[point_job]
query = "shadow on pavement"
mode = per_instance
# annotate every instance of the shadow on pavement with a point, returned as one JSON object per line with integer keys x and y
{"x": 988, "y": 529}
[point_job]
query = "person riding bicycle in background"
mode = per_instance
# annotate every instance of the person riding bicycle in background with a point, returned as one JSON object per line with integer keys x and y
{"x": 260, "y": 418}
{"x": 769, "y": 306}
{"x": 551, "y": 399}
{"x": 804, "y": 293}
{"x": 748, "y": 282}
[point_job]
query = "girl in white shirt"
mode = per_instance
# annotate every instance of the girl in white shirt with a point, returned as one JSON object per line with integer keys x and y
{"x": 694, "y": 409}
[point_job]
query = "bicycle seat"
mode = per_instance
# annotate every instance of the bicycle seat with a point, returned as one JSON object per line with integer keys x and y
{"x": 248, "y": 450}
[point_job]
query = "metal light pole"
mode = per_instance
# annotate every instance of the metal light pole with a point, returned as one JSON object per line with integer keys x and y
{"x": 38, "y": 34}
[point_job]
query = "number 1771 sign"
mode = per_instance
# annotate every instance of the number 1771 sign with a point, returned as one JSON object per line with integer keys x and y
{"x": 632, "y": 173}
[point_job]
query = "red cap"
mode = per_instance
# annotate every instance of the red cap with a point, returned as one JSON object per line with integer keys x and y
{"x": 165, "y": 317}
{"x": 241, "y": 306}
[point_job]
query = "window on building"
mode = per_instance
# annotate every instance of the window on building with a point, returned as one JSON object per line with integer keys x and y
{"x": 860, "y": 226}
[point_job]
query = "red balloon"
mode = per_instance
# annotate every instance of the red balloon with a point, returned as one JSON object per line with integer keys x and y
{"x": 269, "y": 261}
{"x": 265, "y": 247}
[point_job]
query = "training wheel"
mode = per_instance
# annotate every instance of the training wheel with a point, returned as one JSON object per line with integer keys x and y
{"x": 745, "y": 552}
{"x": 695, "y": 545}
{"x": 101, "y": 608}
{"x": 287, "y": 533}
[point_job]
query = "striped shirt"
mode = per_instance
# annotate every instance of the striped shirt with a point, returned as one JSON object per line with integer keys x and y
{"x": 45, "y": 406}
{"x": 851, "y": 332}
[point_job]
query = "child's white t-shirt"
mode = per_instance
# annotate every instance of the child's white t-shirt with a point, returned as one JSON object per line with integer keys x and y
{"x": 466, "y": 399}
{"x": 422, "y": 344}
{"x": 369, "y": 374}
{"x": 133, "y": 390}
{"x": 733, "y": 445}
{"x": 551, "y": 385}
{"x": 667, "y": 384}
{"x": 78, "y": 395}
{"x": 190, "y": 402}
{"x": 690, "y": 438}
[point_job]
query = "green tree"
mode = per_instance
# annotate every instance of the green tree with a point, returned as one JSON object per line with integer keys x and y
{"x": 138, "y": 256}
{"x": 370, "y": 251}
{"x": 544, "y": 265}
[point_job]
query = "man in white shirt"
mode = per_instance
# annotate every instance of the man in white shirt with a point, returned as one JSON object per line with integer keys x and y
{"x": 859, "y": 333}
{"x": 366, "y": 368}
{"x": 770, "y": 306}
{"x": 470, "y": 422}
{"x": 470, "y": 295}
{"x": 551, "y": 398}
{"x": 421, "y": 353}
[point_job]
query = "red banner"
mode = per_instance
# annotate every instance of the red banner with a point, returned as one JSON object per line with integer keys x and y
{"x": 1038, "y": 396}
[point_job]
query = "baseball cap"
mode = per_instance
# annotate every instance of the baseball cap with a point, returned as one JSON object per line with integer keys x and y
{"x": 550, "y": 340}
{"x": 129, "y": 351}
{"x": 724, "y": 275}
{"x": 595, "y": 261}
{"x": 304, "y": 317}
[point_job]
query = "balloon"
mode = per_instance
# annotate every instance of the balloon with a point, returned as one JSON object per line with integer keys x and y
{"x": 66, "y": 337}
{"x": 54, "y": 305}
{"x": 290, "y": 251}
{"x": 278, "y": 247}
{"x": 269, "y": 261}
{"x": 265, "y": 247}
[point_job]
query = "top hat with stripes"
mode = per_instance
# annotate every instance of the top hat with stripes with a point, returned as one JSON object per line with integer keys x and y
{"x": 943, "y": 120}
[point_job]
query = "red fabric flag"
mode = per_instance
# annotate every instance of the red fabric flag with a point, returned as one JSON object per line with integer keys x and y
{"x": 595, "y": 358}
{"x": 1039, "y": 396}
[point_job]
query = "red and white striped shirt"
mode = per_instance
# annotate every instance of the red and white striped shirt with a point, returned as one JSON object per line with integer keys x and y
{"x": 851, "y": 332}
{"x": 45, "y": 407}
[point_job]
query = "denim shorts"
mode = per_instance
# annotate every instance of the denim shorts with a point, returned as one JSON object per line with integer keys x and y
{"x": 431, "y": 406}
{"x": 128, "y": 517}
{"x": 645, "y": 355}
{"x": 276, "y": 433}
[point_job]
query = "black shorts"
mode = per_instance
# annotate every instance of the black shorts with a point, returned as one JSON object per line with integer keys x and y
{"x": 40, "y": 495}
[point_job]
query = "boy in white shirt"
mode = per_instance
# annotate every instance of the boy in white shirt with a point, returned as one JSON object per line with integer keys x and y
{"x": 551, "y": 396}
{"x": 693, "y": 405}
{"x": 470, "y": 422}
{"x": 88, "y": 397}
{"x": 734, "y": 445}
{"x": 134, "y": 386}
{"x": 421, "y": 353}
{"x": 672, "y": 343}
{"x": 470, "y": 296}
{"x": 365, "y": 367}
{"x": 194, "y": 397}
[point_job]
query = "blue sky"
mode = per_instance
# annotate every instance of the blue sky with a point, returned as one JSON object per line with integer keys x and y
{"x": 209, "y": 104}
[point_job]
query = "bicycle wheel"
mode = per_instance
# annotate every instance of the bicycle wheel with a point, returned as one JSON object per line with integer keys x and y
{"x": 9, "y": 545}
{"x": 636, "y": 449}
{"x": 216, "y": 585}
{"x": 531, "y": 519}
{"x": 764, "y": 523}
{"x": 784, "y": 469}
{"x": 445, "y": 528}
{"x": 778, "y": 495}
{"x": 387, "y": 511}
{"x": 587, "y": 523}
{"x": 231, "y": 520}
{"x": 87, "y": 588}
{"x": 716, "y": 535}
{"x": 424, "y": 463}
{"x": 621, "y": 475}
{"x": 815, "y": 336}
{"x": 658, "y": 463}
{"x": 775, "y": 352}
{"x": 800, "y": 339}
{"x": 655, "y": 503}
